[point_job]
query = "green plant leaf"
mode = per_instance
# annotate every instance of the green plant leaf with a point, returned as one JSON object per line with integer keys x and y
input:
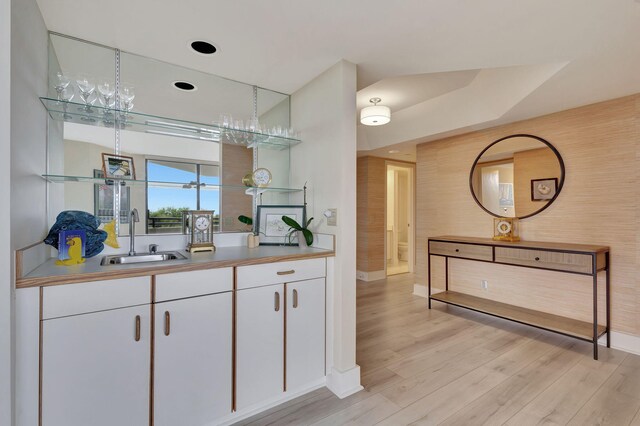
{"x": 308, "y": 222}
{"x": 292, "y": 223}
{"x": 245, "y": 219}
{"x": 308, "y": 236}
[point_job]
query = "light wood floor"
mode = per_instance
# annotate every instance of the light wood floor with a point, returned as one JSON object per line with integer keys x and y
{"x": 455, "y": 367}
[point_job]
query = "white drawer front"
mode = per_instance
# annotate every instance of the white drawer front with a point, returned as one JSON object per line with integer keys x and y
{"x": 73, "y": 299}
{"x": 280, "y": 272}
{"x": 193, "y": 283}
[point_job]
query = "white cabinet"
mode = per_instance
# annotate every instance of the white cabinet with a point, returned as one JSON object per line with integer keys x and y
{"x": 264, "y": 318}
{"x": 96, "y": 368}
{"x": 192, "y": 368}
{"x": 305, "y": 333}
{"x": 260, "y": 344}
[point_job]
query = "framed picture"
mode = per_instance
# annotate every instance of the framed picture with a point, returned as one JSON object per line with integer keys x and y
{"x": 118, "y": 166}
{"x": 103, "y": 196}
{"x": 543, "y": 189}
{"x": 273, "y": 231}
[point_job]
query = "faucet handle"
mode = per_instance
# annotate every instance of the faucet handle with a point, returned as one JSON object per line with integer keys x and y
{"x": 153, "y": 248}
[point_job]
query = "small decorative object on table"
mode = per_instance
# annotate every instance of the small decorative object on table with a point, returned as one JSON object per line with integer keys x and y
{"x": 74, "y": 220}
{"x": 261, "y": 178}
{"x": 303, "y": 229}
{"x": 253, "y": 239}
{"x": 71, "y": 247}
{"x": 505, "y": 229}
{"x": 199, "y": 225}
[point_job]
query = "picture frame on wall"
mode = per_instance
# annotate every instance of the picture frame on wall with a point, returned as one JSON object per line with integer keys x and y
{"x": 543, "y": 189}
{"x": 118, "y": 166}
{"x": 103, "y": 198}
{"x": 273, "y": 231}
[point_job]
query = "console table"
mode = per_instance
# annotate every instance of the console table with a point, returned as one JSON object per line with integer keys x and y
{"x": 565, "y": 258}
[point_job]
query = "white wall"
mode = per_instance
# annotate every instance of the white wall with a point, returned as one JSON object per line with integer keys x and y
{"x": 28, "y": 147}
{"x": 324, "y": 111}
{"x": 6, "y": 272}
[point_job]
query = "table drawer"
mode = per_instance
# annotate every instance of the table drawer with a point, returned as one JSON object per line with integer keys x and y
{"x": 280, "y": 272}
{"x": 561, "y": 261}
{"x": 467, "y": 251}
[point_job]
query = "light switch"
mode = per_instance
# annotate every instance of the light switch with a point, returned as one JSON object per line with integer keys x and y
{"x": 332, "y": 217}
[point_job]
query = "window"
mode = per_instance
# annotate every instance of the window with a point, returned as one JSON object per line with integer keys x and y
{"x": 174, "y": 187}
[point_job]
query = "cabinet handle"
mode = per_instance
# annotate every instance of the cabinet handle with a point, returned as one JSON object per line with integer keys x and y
{"x": 537, "y": 258}
{"x": 289, "y": 272}
{"x": 457, "y": 250}
{"x": 137, "y": 328}
{"x": 276, "y": 301}
{"x": 167, "y": 323}
{"x": 295, "y": 298}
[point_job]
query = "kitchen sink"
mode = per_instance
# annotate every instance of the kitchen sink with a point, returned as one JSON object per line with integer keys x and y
{"x": 141, "y": 258}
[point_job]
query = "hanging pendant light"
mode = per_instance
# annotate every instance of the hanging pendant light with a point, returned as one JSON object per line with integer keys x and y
{"x": 375, "y": 115}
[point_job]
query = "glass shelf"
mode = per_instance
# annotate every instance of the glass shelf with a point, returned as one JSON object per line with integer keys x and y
{"x": 136, "y": 121}
{"x": 157, "y": 184}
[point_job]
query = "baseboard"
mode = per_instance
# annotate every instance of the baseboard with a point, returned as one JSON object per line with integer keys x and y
{"x": 622, "y": 341}
{"x": 371, "y": 276}
{"x": 259, "y": 408}
{"x": 420, "y": 290}
{"x": 344, "y": 383}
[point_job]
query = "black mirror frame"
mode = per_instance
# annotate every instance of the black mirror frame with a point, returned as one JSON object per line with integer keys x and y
{"x": 560, "y": 184}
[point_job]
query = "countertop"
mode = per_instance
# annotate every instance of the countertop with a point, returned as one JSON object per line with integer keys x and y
{"x": 51, "y": 274}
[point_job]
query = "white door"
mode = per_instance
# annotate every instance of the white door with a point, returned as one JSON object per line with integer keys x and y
{"x": 95, "y": 368}
{"x": 305, "y": 333}
{"x": 260, "y": 344}
{"x": 192, "y": 367}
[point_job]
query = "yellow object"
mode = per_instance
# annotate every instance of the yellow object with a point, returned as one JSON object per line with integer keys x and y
{"x": 112, "y": 238}
{"x": 506, "y": 229}
{"x": 75, "y": 253}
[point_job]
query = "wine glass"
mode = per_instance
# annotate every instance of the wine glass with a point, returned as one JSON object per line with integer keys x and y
{"x": 66, "y": 95}
{"x": 61, "y": 83}
{"x": 86, "y": 88}
{"x": 107, "y": 90}
{"x": 127, "y": 95}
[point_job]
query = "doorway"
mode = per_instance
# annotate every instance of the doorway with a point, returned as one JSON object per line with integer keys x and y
{"x": 399, "y": 218}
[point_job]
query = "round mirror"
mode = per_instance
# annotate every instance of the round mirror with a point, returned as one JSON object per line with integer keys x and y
{"x": 517, "y": 176}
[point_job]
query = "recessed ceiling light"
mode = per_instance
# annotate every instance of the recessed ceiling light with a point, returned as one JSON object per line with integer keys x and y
{"x": 185, "y": 86}
{"x": 393, "y": 151}
{"x": 203, "y": 47}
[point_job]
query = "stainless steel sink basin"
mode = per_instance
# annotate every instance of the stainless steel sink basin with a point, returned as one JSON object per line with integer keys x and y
{"x": 141, "y": 258}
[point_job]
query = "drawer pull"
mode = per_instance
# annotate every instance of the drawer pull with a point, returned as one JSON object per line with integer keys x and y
{"x": 457, "y": 250}
{"x": 289, "y": 272}
{"x": 167, "y": 323}
{"x": 537, "y": 258}
{"x": 276, "y": 301}
{"x": 137, "y": 328}
{"x": 295, "y": 298}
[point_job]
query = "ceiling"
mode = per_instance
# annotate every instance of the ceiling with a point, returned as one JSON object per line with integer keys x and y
{"x": 444, "y": 66}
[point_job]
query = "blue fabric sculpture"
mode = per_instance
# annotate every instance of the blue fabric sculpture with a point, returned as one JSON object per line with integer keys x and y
{"x": 74, "y": 220}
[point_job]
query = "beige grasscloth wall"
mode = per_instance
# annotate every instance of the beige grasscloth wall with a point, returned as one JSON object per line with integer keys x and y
{"x": 371, "y": 196}
{"x": 599, "y": 204}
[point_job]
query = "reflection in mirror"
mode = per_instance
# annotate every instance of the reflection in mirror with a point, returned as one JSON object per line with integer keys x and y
{"x": 175, "y": 169}
{"x": 517, "y": 176}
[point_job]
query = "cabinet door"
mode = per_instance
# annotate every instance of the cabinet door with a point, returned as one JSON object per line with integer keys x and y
{"x": 305, "y": 333}
{"x": 260, "y": 344}
{"x": 192, "y": 360}
{"x": 95, "y": 368}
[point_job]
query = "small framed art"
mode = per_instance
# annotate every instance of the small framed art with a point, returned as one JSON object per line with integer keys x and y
{"x": 543, "y": 189}
{"x": 118, "y": 166}
{"x": 272, "y": 230}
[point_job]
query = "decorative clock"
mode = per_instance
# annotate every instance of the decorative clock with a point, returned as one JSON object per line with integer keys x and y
{"x": 198, "y": 224}
{"x": 505, "y": 229}
{"x": 261, "y": 177}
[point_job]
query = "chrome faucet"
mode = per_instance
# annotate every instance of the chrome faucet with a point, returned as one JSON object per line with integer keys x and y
{"x": 133, "y": 218}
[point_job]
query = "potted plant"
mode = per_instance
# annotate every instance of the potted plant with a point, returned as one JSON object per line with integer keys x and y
{"x": 296, "y": 227}
{"x": 253, "y": 240}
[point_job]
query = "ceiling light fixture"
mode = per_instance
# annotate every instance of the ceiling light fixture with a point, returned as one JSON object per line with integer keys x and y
{"x": 185, "y": 86}
{"x": 203, "y": 47}
{"x": 375, "y": 115}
